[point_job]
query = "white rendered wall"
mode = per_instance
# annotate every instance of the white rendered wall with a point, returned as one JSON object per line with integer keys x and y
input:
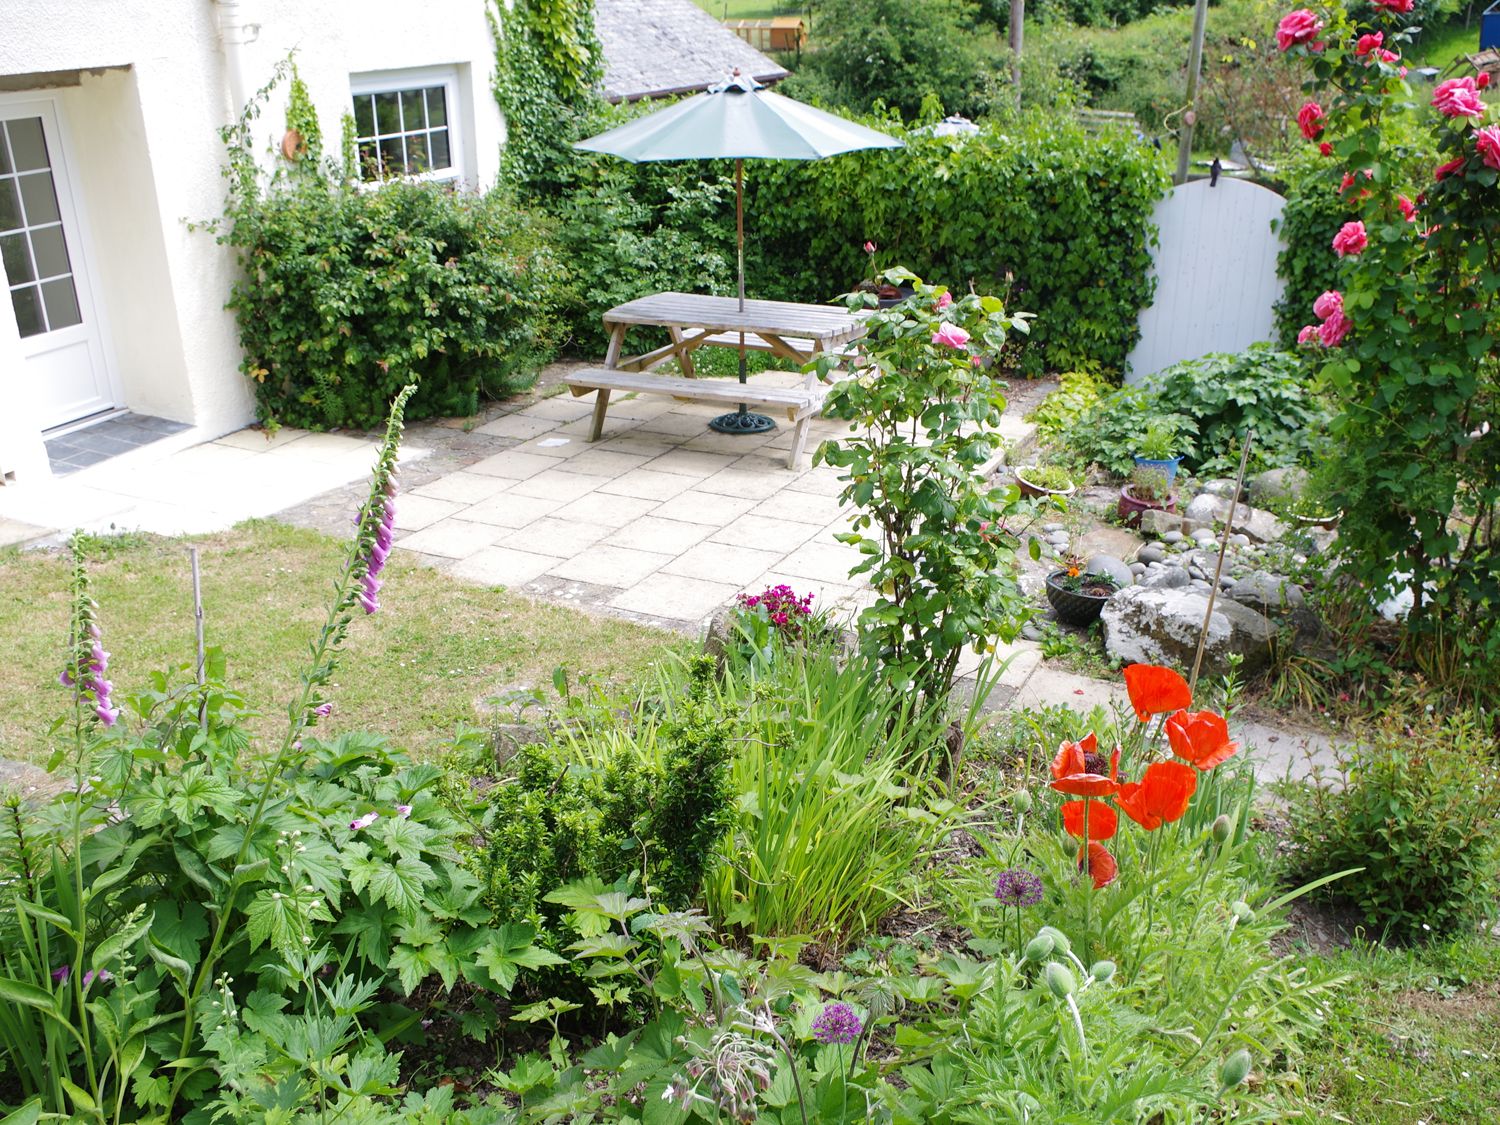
{"x": 147, "y": 159}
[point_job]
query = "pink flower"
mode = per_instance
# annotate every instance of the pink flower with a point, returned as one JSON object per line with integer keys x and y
{"x": 869, "y": 248}
{"x": 1458, "y": 97}
{"x": 1325, "y": 149}
{"x": 1487, "y": 141}
{"x": 1308, "y": 335}
{"x": 323, "y": 710}
{"x": 1408, "y": 208}
{"x": 943, "y": 301}
{"x": 1328, "y": 303}
{"x": 1443, "y": 171}
{"x": 1301, "y": 26}
{"x": 1390, "y": 58}
{"x": 360, "y": 823}
{"x": 950, "y": 335}
{"x": 1351, "y": 239}
{"x": 1310, "y": 120}
{"x": 1482, "y": 81}
{"x": 403, "y": 811}
{"x": 1368, "y": 43}
{"x": 1333, "y": 330}
{"x": 1401, "y": 6}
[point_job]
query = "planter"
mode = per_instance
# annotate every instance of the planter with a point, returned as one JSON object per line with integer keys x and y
{"x": 886, "y": 299}
{"x": 1131, "y": 506}
{"x": 1075, "y": 607}
{"x": 1167, "y": 469}
{"x": 1037, "y": 490}
{"x": 1328, "y": 523}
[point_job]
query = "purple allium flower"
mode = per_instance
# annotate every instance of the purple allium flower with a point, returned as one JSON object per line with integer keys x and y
{"x": 403, "y": 811}
{"x": 1018, "y": 887}
{"x": 362, "y": 822}
{"x": 837, "y": 1023}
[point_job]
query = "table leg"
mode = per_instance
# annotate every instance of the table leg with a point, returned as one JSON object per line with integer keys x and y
{"x": 684, "y": 355}
{"x": 616, "y": 345}
{"x": 601, "y": 404}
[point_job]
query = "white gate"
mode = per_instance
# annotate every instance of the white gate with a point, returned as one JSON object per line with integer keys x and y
{"x": 1216, "y": 274}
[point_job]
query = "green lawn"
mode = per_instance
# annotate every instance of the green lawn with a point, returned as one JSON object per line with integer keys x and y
{"x": 752, "y": 9}
{"x": 428, "y": 661}
{"x": 1444, "y": 43}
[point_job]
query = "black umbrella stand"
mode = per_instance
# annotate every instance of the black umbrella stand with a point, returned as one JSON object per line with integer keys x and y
{"x": 741, "y": 421}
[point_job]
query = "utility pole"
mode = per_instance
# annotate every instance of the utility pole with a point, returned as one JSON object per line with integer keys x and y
{"x": 1017, "y": 33}
{"x": 1190, "y": 116}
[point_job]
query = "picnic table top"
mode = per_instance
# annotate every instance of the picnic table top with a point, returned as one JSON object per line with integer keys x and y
{"x": 825, "y": 324}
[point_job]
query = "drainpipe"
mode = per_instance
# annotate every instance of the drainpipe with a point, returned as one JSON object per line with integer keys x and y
{"x": 237, "y": 30}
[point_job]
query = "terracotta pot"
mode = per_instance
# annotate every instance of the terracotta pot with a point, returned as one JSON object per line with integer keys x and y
{"x": 1131, "y": 506}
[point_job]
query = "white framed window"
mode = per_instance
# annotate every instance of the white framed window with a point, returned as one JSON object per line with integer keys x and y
{"x": 408, "y": 123}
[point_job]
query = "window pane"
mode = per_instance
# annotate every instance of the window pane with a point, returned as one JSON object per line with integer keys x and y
{"x": 392, "y": 159}
{"x": 437, "y": 105}
{"x": 388, "y": 113}
{"x": 28, "y": 305}
{"x": 369, "y": 161}
{"x": 412, "y": 116}
{"x": 416, "y": 153}
{"x": 364, "y": 116}
{"x": 40, "y": 197}
{"x": 27, "y": 147}
{"x": 49, "y": 251}
{"x": 10, "y": 205}
{"x": 4, "y": 151}
{"x": 61, "y": 301}
{"x": 439, "y": 149}
{"x": 16, "y": 258}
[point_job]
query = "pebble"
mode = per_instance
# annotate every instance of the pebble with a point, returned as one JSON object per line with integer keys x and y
{"x": 1138, "y": 569}
{"x": 1151, "y": 554}
{"x": 1057, "y": 539}
{"x": 1049, "y": 527}
{"x": 1226, "y": 581}
{"x": 1031, "y": 632}
{"x": 1172, "y": 537}
{"x": 1200, "y": 584}
{"x": 1198, "y": 573}
{"x": 1203, "y": 535}
{"x": 1239, "y": 540}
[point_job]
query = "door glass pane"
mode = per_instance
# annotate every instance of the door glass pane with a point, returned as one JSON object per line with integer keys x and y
{"x": 364, "y": 116}
{"x": 437, "y": 105}
{"x": 49, "y": 251}
{"x": 17, "y": 259}
{"x": 40, "y": 196}
{"x": 28, "y": 305}
{"x": 411, "y": 110}
{"x": 61, "y": 301}
{"x": 388, "y": 113}
{"x": 439, "y": 149}
{"x": 10, "y": 205}
{"x": 27, "y": 148}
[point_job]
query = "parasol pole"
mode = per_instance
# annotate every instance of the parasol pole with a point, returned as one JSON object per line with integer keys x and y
{"x": 739, "y": 231}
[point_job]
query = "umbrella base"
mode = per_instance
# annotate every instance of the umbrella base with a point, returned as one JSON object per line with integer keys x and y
{"x": 742, "y": 421}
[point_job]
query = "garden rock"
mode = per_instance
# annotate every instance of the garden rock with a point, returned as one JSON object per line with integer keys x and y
{"x": 1206, "y": 508}
{"x": 1167, "y": 578}
{"x": 1153, "y": 625}
{"x": 1259, "y": 525}
{"x": 1289, "y": 483}
{"x": 1151, "y": 554}
{"x": 1267, "y": 592}
{"x": 510, "y": 737}
{"x": 720, "y": 636}
{"x": 1115, "y": 568}
{"x": 1219, "y": 486}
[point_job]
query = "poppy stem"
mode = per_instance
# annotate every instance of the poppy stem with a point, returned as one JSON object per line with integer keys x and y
{"x": 1140, "y": 949}
{"x": 1088, "y": 899}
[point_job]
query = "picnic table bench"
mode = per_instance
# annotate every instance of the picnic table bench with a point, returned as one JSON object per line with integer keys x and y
{"x": 792, "y": 331}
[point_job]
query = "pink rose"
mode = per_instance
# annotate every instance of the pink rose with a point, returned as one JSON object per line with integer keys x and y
{"x": 1351, "y": 239}
{"x": 1328, "y": 303}
{"x": 1458, "y": 97}
{"x": 1310, "y": 120}
{"x": 950, "y": 335}
{"x": 943, "y": 301}
{"x": 1482, "y": 81}
{"x": 1443, "y": 171}
{"x": 1308, "y": 335}
{"x": 1401, "y": 6}
{"x": 1325, "y": 149}
{"x": 1390, "y": 58}
{"x": 1487, "y": 141}
{"x": 1332, "y": 331}
{"x": 1301, "y": 26}
{"x": 1408, "y": 208}
{"x": 869, "y": 248}
{"x": 1368, "y": 43}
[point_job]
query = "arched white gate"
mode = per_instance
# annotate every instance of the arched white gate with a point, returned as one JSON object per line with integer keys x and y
{"x": 1216, "y": 274}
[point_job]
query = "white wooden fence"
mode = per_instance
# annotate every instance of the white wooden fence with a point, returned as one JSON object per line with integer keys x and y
{"x": 1216, "y": 274}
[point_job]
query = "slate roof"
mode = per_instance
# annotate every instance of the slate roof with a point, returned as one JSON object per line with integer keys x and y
{"x": 653, "y": 48}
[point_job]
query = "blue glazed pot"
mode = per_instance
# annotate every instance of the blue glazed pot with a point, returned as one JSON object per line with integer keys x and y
{"x": 1167, "y": 469}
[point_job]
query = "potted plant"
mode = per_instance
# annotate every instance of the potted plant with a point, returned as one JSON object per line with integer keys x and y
{"x": 1077, "y": 597}
{"x": 1158, "y": 449}
{"x": 1146, "y": 489}
{"x": 1044, "y": 480}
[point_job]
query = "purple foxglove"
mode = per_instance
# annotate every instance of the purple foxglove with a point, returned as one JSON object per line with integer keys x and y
{"x": 65, "y": 678}
{"x": 369, "y": 603}
{"x": 403, "y": 811}
{"x": 362, "y": 822}
{"x": 323, "y": 710}
{"x": 107, "y": 714}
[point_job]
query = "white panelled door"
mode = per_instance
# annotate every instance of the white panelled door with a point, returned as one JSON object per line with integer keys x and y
{"x": 41, "y": 247}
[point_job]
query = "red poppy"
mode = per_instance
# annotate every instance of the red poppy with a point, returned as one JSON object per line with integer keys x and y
{"x": 1155, "y": 690}
{"x": 1078, "y": 769}
{"x": 1159, "y": 797}
{"x": 1101, "y": 865}
{"x": 1200, "y": 737}
{"x": 1102, "y": 819}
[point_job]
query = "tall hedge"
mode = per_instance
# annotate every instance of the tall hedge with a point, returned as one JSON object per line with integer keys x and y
{"x": 1062, "y": 212}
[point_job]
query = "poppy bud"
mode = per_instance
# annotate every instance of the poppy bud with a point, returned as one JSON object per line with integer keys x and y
{"x": 1235, "y": 1070}
{"x": 1221, "y": 829}
{"x": 1102, "y": 971}
{"x": 1241, "y": 911}
{"x": 1038, "y": 949}
{"x": 1062, "y": 984}
{"x": 1020, "y": 800}
{"x": 1059, "y": 940}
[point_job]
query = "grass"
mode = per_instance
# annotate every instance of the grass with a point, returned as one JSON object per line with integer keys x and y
{"x": 751, "y": 9}
{"x": 1442, "y": 44}
{"x": 427, "y": 662}
{"x": 1413, "y": 1037}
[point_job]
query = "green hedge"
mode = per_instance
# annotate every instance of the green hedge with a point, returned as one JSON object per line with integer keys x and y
{"x": 348, "y": 294}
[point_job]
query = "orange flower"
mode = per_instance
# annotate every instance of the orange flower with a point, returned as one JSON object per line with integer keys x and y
{"x": 1159, "y": 797}
{"x": 1101, "y": 865}
{"x": 1200, "y": 737}
{"x": 1155, "y": 690}
{"x": 1078, "y": 769}
{"x": 1102, "y": 819}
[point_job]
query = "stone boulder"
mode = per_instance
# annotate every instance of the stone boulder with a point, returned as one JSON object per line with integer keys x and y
{"x": 1268, "y": 593}
{"x": 1115, "y": 568}
{"x": 1157, "y": 522}
{"x": 1156, "y": 625}
{"x": 1261, "y": 526}
{"x": 1277, "y": 484}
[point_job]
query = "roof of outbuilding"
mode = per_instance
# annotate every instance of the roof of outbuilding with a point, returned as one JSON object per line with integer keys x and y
{"x": 653, "y": 48}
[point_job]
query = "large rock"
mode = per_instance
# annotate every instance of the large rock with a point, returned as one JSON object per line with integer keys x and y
{"x": 1115, "y": 568}
{"x": 1157, "y": 522}
{"x": 1206, "y": 508}
{"x": 1277, "y": 484}
{"x": 1267, "y": 592}
{"x": 1260, "y": 525}
{"x": 1152, "y": 625}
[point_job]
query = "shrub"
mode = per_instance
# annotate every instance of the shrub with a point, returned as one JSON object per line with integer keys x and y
{"x": 1415, "y": 803}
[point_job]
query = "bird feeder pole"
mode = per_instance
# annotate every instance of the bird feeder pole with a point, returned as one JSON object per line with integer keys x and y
{"x": 1190, "y": 117}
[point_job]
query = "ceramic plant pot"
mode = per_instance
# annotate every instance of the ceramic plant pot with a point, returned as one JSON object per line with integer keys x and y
{"x": 1076, "y": 607}
{"x": 1131, "y": 506}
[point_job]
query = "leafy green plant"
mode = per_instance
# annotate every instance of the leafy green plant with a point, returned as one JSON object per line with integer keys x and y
{"x": 1149, "y": 484}
{"x": 1160, "y": 441}
{"x": 1052, "y": 477}
{"x": 1076, "y": 392}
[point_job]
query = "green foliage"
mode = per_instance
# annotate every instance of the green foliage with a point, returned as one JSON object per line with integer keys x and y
{"x": 349, "y": 293}
{"x": 1416, "y": 804}
{"x": 1076, "y": 392}
{"x": 924, "y": 416}
{"x": 1314, "y": 211}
